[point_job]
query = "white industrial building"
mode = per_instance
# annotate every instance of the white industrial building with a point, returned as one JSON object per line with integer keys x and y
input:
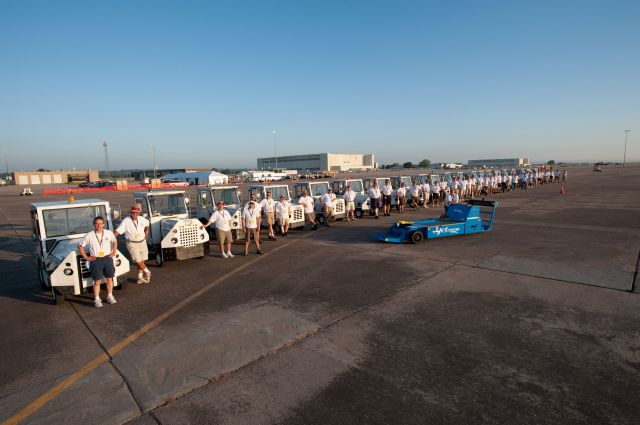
{"x": 320, "y": 161}
{"x": 503, "y": 162}
{"x": 199, "y": 177}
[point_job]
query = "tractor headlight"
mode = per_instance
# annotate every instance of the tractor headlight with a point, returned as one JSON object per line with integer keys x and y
{"x": 175, "y": 230}
{"x": 174, "y": 240}
{"x": 118, "y": 262}
{"x": 202, "y": 236}
{"x": 68, "y": 272}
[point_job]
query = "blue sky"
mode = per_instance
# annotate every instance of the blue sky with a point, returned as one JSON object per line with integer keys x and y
{"x": 207, "y": 82}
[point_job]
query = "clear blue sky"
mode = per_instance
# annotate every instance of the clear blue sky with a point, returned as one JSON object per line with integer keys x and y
{"x": 207, "y": 82}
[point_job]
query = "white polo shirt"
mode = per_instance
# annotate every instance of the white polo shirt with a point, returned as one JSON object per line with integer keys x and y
{"x": 426, "y": 188}
{"x": 283, "y": 209}
{"x": 387, "y": 189}
{"x": 268, "y": 205}
{"x": 349, "y": 196}
{"x": 99, "y": 245}
{"x": 307, "y": 203}
{"x": 251, "y": 218}
{"x": 374, "y": 192}
{"x": 401, "y": 191}
{"x": 415, "y": 191}
{"x": 221, "y": 219}
{"x": 327, "y": 199}
{"x": 133, "y": 230}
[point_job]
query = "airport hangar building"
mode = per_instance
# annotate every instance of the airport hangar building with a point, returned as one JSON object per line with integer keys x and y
{"x": 320, "y": 161}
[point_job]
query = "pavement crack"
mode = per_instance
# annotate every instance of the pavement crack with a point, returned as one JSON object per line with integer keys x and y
{"x": 106, "y": 352}
{"x": 635, "y": 274}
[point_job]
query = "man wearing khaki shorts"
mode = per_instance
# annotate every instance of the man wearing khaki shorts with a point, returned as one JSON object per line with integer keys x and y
{"x": 136, "y": 230}
{"x": 269, "y": 209}
{"x": 222, "y": 221}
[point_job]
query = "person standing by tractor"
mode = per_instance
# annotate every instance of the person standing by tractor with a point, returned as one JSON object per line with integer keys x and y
{"x": 350, "y": 203}
{"x": 283, "y": 214}
{"x": 269, "y": 209}
{"x": 328, "y": 200}
{"x": 386, "y": 190}
{"x": 135, "y": 229}
{"x": 221, "y": 219}
{"x": 250, "y": 220}
{"x": 374, "y": 196}
{"x": 103, "y": 247}
{"x": 401, "y": 197}
{"x": 308, "y": 204}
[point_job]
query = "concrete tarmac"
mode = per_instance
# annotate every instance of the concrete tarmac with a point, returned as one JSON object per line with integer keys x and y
{"x": 534, "y": 322}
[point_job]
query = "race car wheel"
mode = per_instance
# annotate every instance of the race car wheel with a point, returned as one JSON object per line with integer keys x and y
{"x": 416, "y": 237}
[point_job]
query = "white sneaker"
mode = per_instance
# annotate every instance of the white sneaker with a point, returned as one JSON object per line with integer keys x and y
{"x": 111, "y": 299}
{"x": 147, "y": 274}
{"x": 97, "y": 303}
{"x": 230, "y": 255}
{"x": 224, "y": 255}
{"x": 141, "y": 280}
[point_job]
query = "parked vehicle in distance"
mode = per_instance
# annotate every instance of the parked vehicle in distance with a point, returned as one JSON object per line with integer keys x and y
{"x": 174, "y": 183}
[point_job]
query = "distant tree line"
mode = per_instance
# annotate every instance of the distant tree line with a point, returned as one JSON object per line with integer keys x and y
{"x": 425, "y": 163}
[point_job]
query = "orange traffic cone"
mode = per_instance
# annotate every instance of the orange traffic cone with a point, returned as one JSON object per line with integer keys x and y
{"x": 562, "y": 191}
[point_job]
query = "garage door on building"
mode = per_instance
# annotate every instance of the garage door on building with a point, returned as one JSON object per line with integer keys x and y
{"x": 35, "y": 179}
{"x": 23, "y": 180}
{"x": 57, "y": 178}
{"x": 46, "y": 179}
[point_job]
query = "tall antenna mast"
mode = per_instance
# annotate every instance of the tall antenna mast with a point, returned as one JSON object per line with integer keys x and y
{"x": 106, "y": 159}
{"x": 155, "y": 162}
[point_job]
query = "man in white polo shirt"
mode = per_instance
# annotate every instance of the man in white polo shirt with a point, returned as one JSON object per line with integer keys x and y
{"x": 103, "y": 246}
{"x": 328, "y": 205}
{"x": 349, "y": 202}
{"x": 136, "y": 231}
{"x": 250, "y": 220}
{"x": 221, "y": 219}
{"x": 307, "y": 203}
{"x": 283, "y": 214}
{"x": 269, "y": 209}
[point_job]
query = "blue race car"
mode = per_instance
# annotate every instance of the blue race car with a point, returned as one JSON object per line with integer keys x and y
{"x": 459, "y": 219}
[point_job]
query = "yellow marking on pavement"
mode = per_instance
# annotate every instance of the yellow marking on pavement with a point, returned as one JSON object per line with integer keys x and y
{"x": 38, "y": 403}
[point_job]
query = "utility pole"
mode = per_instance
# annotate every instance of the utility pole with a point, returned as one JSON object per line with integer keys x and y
{"x": 155, "y": 162}
{"x": 626, "y": 134}
{"x": 106, "y": 159}
{"x": 275, "y": 148}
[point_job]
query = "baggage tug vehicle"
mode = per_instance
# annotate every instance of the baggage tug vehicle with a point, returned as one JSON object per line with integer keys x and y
{"x": 58, "y": 228}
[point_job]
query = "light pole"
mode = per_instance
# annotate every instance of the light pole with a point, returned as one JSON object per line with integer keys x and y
{"x": 624, "y": 158}
{"x": 275, "y": 148}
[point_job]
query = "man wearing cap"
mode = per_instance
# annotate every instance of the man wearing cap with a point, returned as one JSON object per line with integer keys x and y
{"x": 222, "y": 220}
{"x": 135, "y": 229}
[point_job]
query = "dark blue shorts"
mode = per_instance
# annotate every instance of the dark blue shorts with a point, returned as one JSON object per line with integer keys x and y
{"x": 102, "y": 268}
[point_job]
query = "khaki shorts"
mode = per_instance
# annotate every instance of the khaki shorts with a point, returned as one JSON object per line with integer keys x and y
{"x": 254, "y": 232}
{"x": 138, "y": 251}
{"x": 351, "y": 206}
{"x": 311, "y": 217}
{"x": 328, "y": 210}
{"x": 284, "y": 221}
{"x": 270, "y": 218}
{"x": 224, "y": 236}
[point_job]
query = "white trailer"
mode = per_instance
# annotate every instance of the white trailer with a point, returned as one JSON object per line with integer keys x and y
{"x": 316, "y": 190}
{"x": 58, "y": 227}
{"x": 230, "y": 195}
{"x": 362, "y": 202}
{"x": 260, "y": 190}
{"x": 172, "y": 234}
